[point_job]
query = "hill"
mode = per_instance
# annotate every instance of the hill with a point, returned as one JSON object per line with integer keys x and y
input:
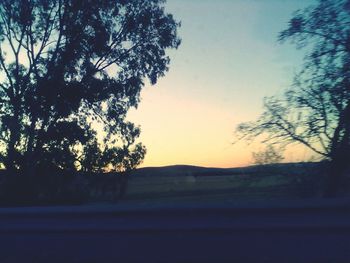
{"x": 190, "y": 170}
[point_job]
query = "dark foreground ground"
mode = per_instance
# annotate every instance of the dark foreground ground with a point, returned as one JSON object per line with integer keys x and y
{"x": 310, "y": 230}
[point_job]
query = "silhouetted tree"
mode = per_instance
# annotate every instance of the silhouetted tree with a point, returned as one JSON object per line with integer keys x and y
{"x": 315, "y": 111}
{"x": 270, "y": 155}
{"x": 70, "y": 70}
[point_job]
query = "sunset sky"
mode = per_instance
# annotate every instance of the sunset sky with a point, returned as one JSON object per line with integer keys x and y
{"x": 228, "y": 61}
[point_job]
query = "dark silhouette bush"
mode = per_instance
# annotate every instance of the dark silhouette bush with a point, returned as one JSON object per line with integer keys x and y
{"x": 40, "y": 189}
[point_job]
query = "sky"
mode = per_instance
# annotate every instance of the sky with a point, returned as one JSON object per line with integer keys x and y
{"x": 228, "y": 61}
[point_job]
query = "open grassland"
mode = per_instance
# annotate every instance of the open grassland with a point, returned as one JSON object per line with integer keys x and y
{"x": 170, "y": 184}
{"x": 220, "y": 188}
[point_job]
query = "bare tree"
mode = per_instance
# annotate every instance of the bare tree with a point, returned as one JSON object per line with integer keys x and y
{"x": 270, "y": 155}
{"x": 315, "y": 111}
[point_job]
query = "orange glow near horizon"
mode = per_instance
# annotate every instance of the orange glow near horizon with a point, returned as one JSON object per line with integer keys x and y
{"x": 176, "y": 130}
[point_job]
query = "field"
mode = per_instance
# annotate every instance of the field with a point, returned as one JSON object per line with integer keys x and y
{"x": 171, "y": 184}
{"x": 251, "y": 185}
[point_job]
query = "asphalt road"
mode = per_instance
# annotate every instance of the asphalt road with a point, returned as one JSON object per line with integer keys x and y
{"x": 314, "y": 232}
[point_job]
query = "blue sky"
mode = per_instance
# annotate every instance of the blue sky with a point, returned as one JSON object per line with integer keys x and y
{"x": 228, "y": 61}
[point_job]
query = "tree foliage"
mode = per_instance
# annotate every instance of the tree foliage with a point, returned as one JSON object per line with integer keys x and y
{"x": 315, "y": 111}
{"x": 70, "y": 71}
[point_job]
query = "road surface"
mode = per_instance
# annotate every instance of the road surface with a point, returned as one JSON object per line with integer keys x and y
{"x": 283, "y": 232}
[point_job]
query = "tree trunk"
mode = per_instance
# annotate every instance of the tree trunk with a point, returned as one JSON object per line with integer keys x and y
{"x": 14, "y": 137}
{"x": 340, "y": 155}
{"x": 29, "y": 158}
{"x": 124, "y": 180}
{"x": 334, "y": 178}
